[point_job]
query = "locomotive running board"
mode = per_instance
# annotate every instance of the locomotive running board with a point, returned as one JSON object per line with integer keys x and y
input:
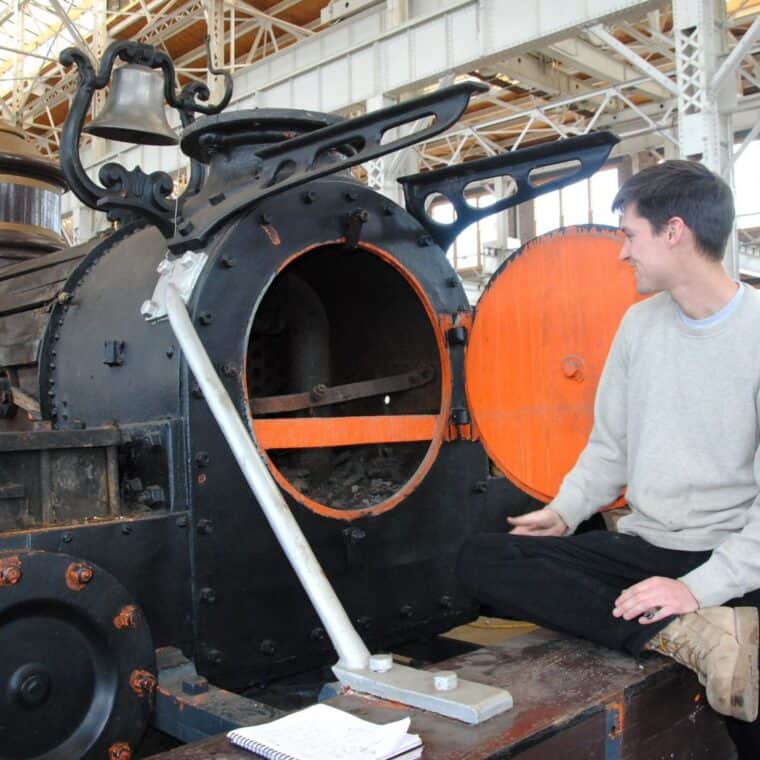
{"x": 377, "y": 675}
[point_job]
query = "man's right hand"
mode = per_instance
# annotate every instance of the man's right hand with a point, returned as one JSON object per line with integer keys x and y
{"x": 542, "y": 522}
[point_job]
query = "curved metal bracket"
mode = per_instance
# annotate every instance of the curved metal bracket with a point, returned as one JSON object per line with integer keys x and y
{"x": 129, "y": 194}
{"x": 301, "y": 159}
{"x": 588, "y": 151}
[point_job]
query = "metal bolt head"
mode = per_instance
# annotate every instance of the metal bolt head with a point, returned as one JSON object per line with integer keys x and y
{"x": 445, "y": 680}
{"x": 205, "y": 527}
{"x": 84, "y": 574}
{"x": 207, "y": 595}
{"x": 205, "y": 317}
{"x": 265, "y": 218}
{"x": 164, "y": 266}
{"x": 202, "y": 458}
{"x": 446, "y": 602}
{"x": 406, "y": 611}
{"x": 268, "y": 647}
{"x": 352, "y": 195}
{"x": 10, "y": 575}
{"x": 380, "y": 663}
{"x": 215, "y": 656}
{"x": 424, "y": 241}
{"x": 67, "y": 538}
{"x": 195, "y": 685}
{"x": 227, "y": 261}
{"x": 181, "y": 521}
{"x": 309, "y": 196}
{"x": 120, "y": 751}
{"x": 187, "y": 260}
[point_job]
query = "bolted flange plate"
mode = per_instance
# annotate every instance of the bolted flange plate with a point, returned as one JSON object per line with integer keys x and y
{"x": 77, "y": 671}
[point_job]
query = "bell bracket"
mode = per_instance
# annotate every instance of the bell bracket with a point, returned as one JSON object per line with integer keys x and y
{"x": 588, "y": 152}
{"x": 125, "y": 194}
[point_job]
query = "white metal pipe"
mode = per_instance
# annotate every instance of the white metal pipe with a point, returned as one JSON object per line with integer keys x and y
{"x": 351, "y": 650}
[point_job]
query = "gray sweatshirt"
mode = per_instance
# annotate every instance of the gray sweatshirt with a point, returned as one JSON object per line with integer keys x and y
{"x": 676, "y": 419}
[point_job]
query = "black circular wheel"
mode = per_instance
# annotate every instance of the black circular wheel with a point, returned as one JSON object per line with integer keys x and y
{"x": 77, "y": 669}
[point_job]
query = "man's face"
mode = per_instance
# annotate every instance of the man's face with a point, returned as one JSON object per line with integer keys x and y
{"x": 646, "y": 251}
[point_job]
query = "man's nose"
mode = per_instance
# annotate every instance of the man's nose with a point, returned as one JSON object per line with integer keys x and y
{"x": 624, "y": 252}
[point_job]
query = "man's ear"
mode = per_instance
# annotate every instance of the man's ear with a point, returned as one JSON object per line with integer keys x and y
{"x": 675, "y": 230}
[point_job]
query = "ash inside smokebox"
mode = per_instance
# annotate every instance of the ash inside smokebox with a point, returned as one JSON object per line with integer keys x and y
{"x": 355, "y": 477}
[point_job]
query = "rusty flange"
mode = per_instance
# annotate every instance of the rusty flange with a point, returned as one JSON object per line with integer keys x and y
{"x": 77, "y": 675}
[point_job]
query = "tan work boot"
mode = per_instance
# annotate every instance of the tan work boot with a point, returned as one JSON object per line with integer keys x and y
{"x": 720, "y": 644}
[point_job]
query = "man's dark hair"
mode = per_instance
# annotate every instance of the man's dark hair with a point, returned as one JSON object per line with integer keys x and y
{"x": 685, "y": 189}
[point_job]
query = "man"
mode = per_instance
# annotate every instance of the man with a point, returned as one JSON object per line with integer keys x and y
{"x": 676, "y": 421}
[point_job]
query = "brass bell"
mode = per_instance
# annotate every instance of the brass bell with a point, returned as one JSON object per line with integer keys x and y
{"x": 134, "y": 111}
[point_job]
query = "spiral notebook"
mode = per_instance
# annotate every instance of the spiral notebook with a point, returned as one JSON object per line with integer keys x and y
{"x": 321, "y": 732}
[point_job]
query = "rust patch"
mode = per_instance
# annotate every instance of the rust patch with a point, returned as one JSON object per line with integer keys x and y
{"x": 271, "y": 233}
{"x": 10, "y": 571}
{"x": 617, "y": 729}
{"x": 143, "y": 683}
{"x": 127, "y": 617}
{"x": 120, "y": 751}
{"x": 78, "y": 575}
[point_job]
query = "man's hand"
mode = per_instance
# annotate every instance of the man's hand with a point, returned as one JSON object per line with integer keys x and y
{"x": 542, "y": 522}
{"x": 654, "y": 599}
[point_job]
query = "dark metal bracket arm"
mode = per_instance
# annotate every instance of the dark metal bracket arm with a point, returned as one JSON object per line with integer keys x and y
{"x": 125, "y": 194}
{"x": 302, "y": 159}
{"x": 590, "y": 151}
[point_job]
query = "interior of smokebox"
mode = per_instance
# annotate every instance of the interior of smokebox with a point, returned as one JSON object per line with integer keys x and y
{"x": 331, "y": 319}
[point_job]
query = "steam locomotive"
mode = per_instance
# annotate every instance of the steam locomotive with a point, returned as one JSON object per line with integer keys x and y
{"x": 345, "y": 340}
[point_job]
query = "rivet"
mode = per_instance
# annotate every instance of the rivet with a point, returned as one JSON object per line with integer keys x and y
{"x": 206, "y": 318}
{"x": 389, "y": 209}
{"x": 202, "y": 458}
{"x": 265, "y": 218}
{"x": 268, "y": 647}
{"x": 309, "y": 196}
{"x": 126, "y": 529}
{"x": 207, "y": 595}
{"x": 227, "y": 261}
{"x": 352, "y": 195}
{"x": 424, "y": 240}
{"x": 205, "y": 527}
{"x": 181, "y": 521}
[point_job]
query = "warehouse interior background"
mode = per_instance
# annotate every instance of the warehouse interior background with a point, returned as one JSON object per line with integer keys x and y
{"x": 669, "y": 79}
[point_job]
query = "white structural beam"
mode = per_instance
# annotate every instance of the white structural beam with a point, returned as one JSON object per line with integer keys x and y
{"x": 731, "y": 64}
{"x": 634, "y": 58}
{"x": 363, "y": 57}
{"x": 591, "y": 60}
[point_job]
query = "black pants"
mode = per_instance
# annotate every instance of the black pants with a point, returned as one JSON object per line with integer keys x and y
{"x": 570, "y": 585}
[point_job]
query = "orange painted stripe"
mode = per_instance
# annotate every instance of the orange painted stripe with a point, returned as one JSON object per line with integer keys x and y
{"x": 314, "y": 432}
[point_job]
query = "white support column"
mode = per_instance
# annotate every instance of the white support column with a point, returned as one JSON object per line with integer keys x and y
{"x": 705, "y": 129}
{"x": 18, "y": 67}
{"x": 214, "y": 10}
{"x": 398, "y": 12}
{"x": 100, "y": 40}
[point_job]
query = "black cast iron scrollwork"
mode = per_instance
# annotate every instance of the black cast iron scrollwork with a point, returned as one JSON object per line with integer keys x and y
{"x": 129, "y": 194}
